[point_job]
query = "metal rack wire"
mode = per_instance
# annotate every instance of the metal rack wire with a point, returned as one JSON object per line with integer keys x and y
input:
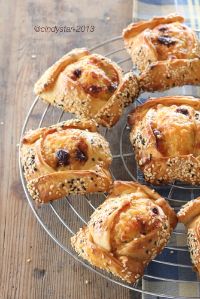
{"x": 170, "y": 270}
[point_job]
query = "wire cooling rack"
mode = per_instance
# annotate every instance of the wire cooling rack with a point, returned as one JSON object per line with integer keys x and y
{"x": 170, "y": 274}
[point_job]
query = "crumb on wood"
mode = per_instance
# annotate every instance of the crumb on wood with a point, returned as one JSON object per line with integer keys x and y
{"x": 28, "y": 260}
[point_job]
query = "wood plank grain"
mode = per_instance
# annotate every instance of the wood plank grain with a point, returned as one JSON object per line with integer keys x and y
{"x": 32, "y": 265}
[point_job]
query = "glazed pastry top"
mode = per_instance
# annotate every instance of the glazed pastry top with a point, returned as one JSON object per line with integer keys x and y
{"x": 89, "y": 85}
{"x": 94, "y": 75}
{"x": 65, "y": 146}
{"x": 126, "y": 231}
{"x": 169, "y": 126}
{"x": 173, "y": 40}
{"x": 162, "y": 38}
{"x": 125, "y": 218}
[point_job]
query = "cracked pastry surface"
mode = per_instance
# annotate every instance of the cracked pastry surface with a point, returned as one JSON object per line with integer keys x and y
{"x": 126, "y": 231}
{"x": 67, "y": 158}
{"x": 166, "y": 52}
{"x": 165, "y": 136}
{"x": 89, "y": 85}
{"x": 190, "y": 216}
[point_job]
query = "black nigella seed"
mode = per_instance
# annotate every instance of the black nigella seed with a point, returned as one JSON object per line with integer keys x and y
{"x": 155, "y": 211}
{"x": 182, "y": 110}
{"x": 81, "y": 156}
{"x": 77, "y": 73}
{"x": 62, "y": 157}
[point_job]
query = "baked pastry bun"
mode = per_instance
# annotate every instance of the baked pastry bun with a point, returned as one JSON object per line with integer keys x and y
{"x": 190, "y": 216}
{"x": 69, "y": 157}
{"x": 126, "y": 231}
{"x": 165, "y": 136}
{"x": 89, "y": 85}
{"x": 166, "y": 52}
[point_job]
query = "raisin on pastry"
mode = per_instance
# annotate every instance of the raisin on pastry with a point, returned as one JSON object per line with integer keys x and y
{"x": 89, "y": 85}
{"x": 67, "y": 158}
{"x": 126, "y": 231}
{"x": 166, "y": 52}
{"x": 165, "y": 136}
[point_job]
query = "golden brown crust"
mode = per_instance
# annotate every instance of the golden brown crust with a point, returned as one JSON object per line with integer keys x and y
{"x": 189, "y": 211}
{"x": 109, "y": 114}
{"x": 127, "y": 231}
{"x": 165, "y": 51}
{"x": 190, "y": 216}
{"x": 69, "y": 157}
{"x": 52, "y": 73}
{"x": 165, "y": 137}
{"x": 89, "y": 85}
{"x": 163, "y": 75}
{"x": 134, "y": 29}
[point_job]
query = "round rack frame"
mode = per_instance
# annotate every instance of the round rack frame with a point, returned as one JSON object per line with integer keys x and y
{"x": 171, "y": 270}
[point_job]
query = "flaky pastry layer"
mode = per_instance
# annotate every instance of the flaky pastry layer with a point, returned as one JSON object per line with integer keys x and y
{"x": 166, "y": 52}
{"x": 88, "y": 85}
{"x": 190, "y": 216}
{"x": 165, "y": 136}
{"x": 126, "y": 231}
{"x": 67, "y": 158}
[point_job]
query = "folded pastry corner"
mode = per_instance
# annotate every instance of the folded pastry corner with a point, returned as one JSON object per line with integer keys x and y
{"x": 126, "y": 231}
{"x": 88, "y": 85}
{"x": 66, "y": 158}
{"x": 166, "y": 139}
{"x": 166, "y": 52}
{"x": 190, "y": 216}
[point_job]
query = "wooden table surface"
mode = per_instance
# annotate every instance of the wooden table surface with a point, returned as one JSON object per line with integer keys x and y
{"x": 32, "y": 265}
